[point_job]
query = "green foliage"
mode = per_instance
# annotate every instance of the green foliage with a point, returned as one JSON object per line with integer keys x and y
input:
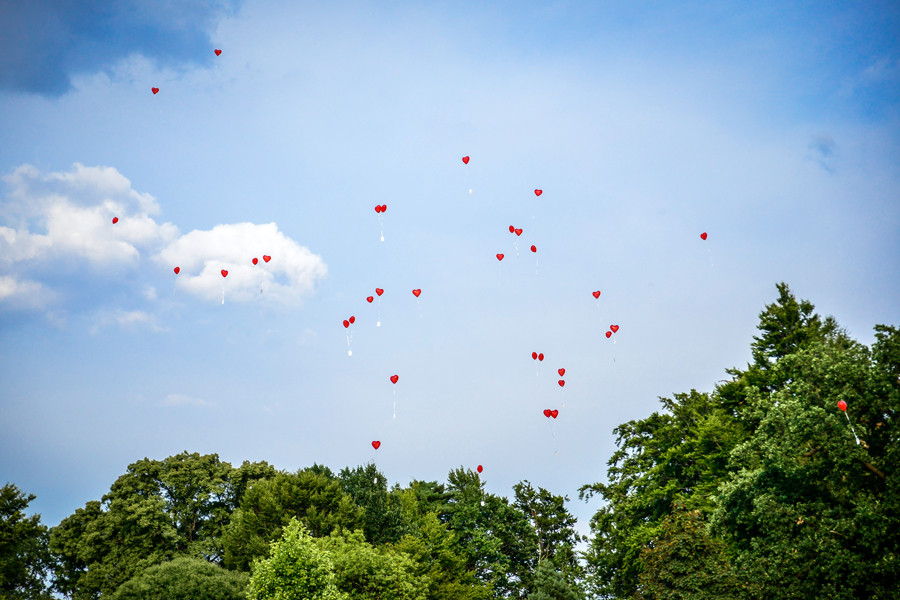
{"x": 553, "y": 525}
{"x": 184, "y": 579}
{"x": 550, "y": 584}
{"x": 24, "y": 557}
{"x": 296, "y": 569}
{"x": 684, "y": 561}
{"x": 382, "y": 515}
{"x": 313, "y": 496}
{"x": 366, "y": 573}
{"x": 156, "y": 511}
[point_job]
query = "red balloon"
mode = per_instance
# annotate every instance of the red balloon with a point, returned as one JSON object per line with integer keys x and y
{"x": 352, "y": 320}
{"x": 554, "y": 413}
{"x": 369, "y": 299}
{"x": 224, "y": 273}
{"x": 384, "y": 208}
{"x": 177, "y": 270}
{"x": 346, "y": 323}
{"x": 115, "y": 220}
{"x": 534, "y": 356}
{"x": 499, "y": 257}
{"x": 538, "y": 192}
{"x": 533, "y": 248}
{"x": 379, "y": 291}
{"x": 541, "y": 357}
{"x": 614, "y": 328}
{"x": 465, "y": 160}
{"x": 519, "y": 232}
{"x": 255, "y": 261}
{"x": 378, "y": 208}
{"x": 511, "y": 229}
{"x": 547, "y": 412}
{"x": 561, "y": 383}
{"x": 395, "y": 378}
{"x": 154, "y": 90}
{"x": 416, "y": 292}
{"x": 842, "y": 405}
{"x": 267, "y": 258}
{"x": 703, "y": 236}
{"x": 561, "y": 372}
{"x": 376, "y": 444}
{"x": 479, "y": 468}
{"x": 609, "y": 334}
{"x": 217, "y": 51}
{"x": 596, "y": 294}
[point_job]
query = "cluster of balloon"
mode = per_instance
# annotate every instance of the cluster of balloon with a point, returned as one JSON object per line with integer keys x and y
{"x": 843, "y": 406}
{"x": 347, "y": 324}
{"x": 612, "y": 330}
{"x": 381, "y": 209}
{"x": 552, "y": 414}
{"x": 540, "y": 358}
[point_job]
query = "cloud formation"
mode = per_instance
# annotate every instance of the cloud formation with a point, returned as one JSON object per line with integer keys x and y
{"x": 52, "y": 222}
{"x": 44, "y": 42}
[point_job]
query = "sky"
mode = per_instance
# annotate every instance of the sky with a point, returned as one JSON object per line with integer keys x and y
{"x": 773, "y": 128}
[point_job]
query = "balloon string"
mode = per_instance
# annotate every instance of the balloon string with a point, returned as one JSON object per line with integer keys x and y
{"x": 223, "y": 293}
{"x": 395, "y": 403}
{"x": 516, "y": 244}
{"x": 378, "y": 322}
{"x": 851, "y": 428}
{"x": 349, "y": 339}
{"x": 381, "y": 223}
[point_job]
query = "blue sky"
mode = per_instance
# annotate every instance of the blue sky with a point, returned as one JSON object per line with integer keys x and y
{"x": 775, "y": 129}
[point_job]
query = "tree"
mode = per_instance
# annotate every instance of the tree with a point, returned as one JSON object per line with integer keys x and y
{"x": 553, "y": 524}
{"x": 314, "y": 497}
{"x": 24, "y": 557}
{"x": 296, "y": 569}
{"x": 156, "y": 511}
{"x": 684, "y": 561}
{"x": 550, "y": 584}
{"x": 382, "y": 515}
{"x": 184, "y": 579}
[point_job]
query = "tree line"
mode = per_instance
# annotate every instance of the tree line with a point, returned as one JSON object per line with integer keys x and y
{"x": 762, "y": 488}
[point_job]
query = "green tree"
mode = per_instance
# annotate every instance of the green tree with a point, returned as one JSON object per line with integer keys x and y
{"x": 685, "y": 562}
{"x": 550, "y": 584}
{"x": 24, "y": 557}
{"x": 553, "y": 524}
{"x": 296, "y": 569}
{"x": 313, "y": 496}
{"x": 184, "y": 579}
{"x": 382, "y": 515}
{"x": 156, "y": 511}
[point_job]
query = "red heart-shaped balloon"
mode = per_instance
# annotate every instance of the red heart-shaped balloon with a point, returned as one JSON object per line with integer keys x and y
{"x": 177, "y": 270}
{"x": 554, "y": 413}
{"x": 596, "y": 294}
{"x": 379, "y": 291}
{"x": 378, "y": 208}
{"x": 499, "y": 257}
{"x": 346, "y": 323}
{"x": 154, "y": 90}
{"x": 614, "y": 328}
{"x": 384, "y": 208}
{"x": 842, "y": 405}
{"x": 561, "y": 383}
{"x": 547, "y": 412}
{"x": 376, "y": 444}
{"x": 416, "y": 292}
{"x": 369, "y": 299}
{"x": 352, "y": 320}
{"x": 609, "y": 334}
{"x": 538, "y": 192}
{"x": 115, "y": 220}
{"x": 267, "y": 258}
{"x": 533, "y": 248}
{"x": 255, "y": 261}
{"x": 217, "y": 51}
{"x": 465, "y": 160}
{"x": 703, "y": 236}
{"x": 224, "y": 273}
{"x": 395, "y": 378}
{"x": 534, "y": 356}
{"x": 541, "y": 357}
{"x": 518, "y": 232}
{"x": 562, "y": 372}
{"x": 479, "y": 468}
{"x": 511, "y": 229}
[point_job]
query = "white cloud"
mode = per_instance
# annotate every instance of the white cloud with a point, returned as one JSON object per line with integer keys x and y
{"x": 126, "y": 319}
{"x": 185, "y": 400}
{"x": 23, "y": 294}
{"x": 291, "y": 273}
{"x": 70, "y": 214}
